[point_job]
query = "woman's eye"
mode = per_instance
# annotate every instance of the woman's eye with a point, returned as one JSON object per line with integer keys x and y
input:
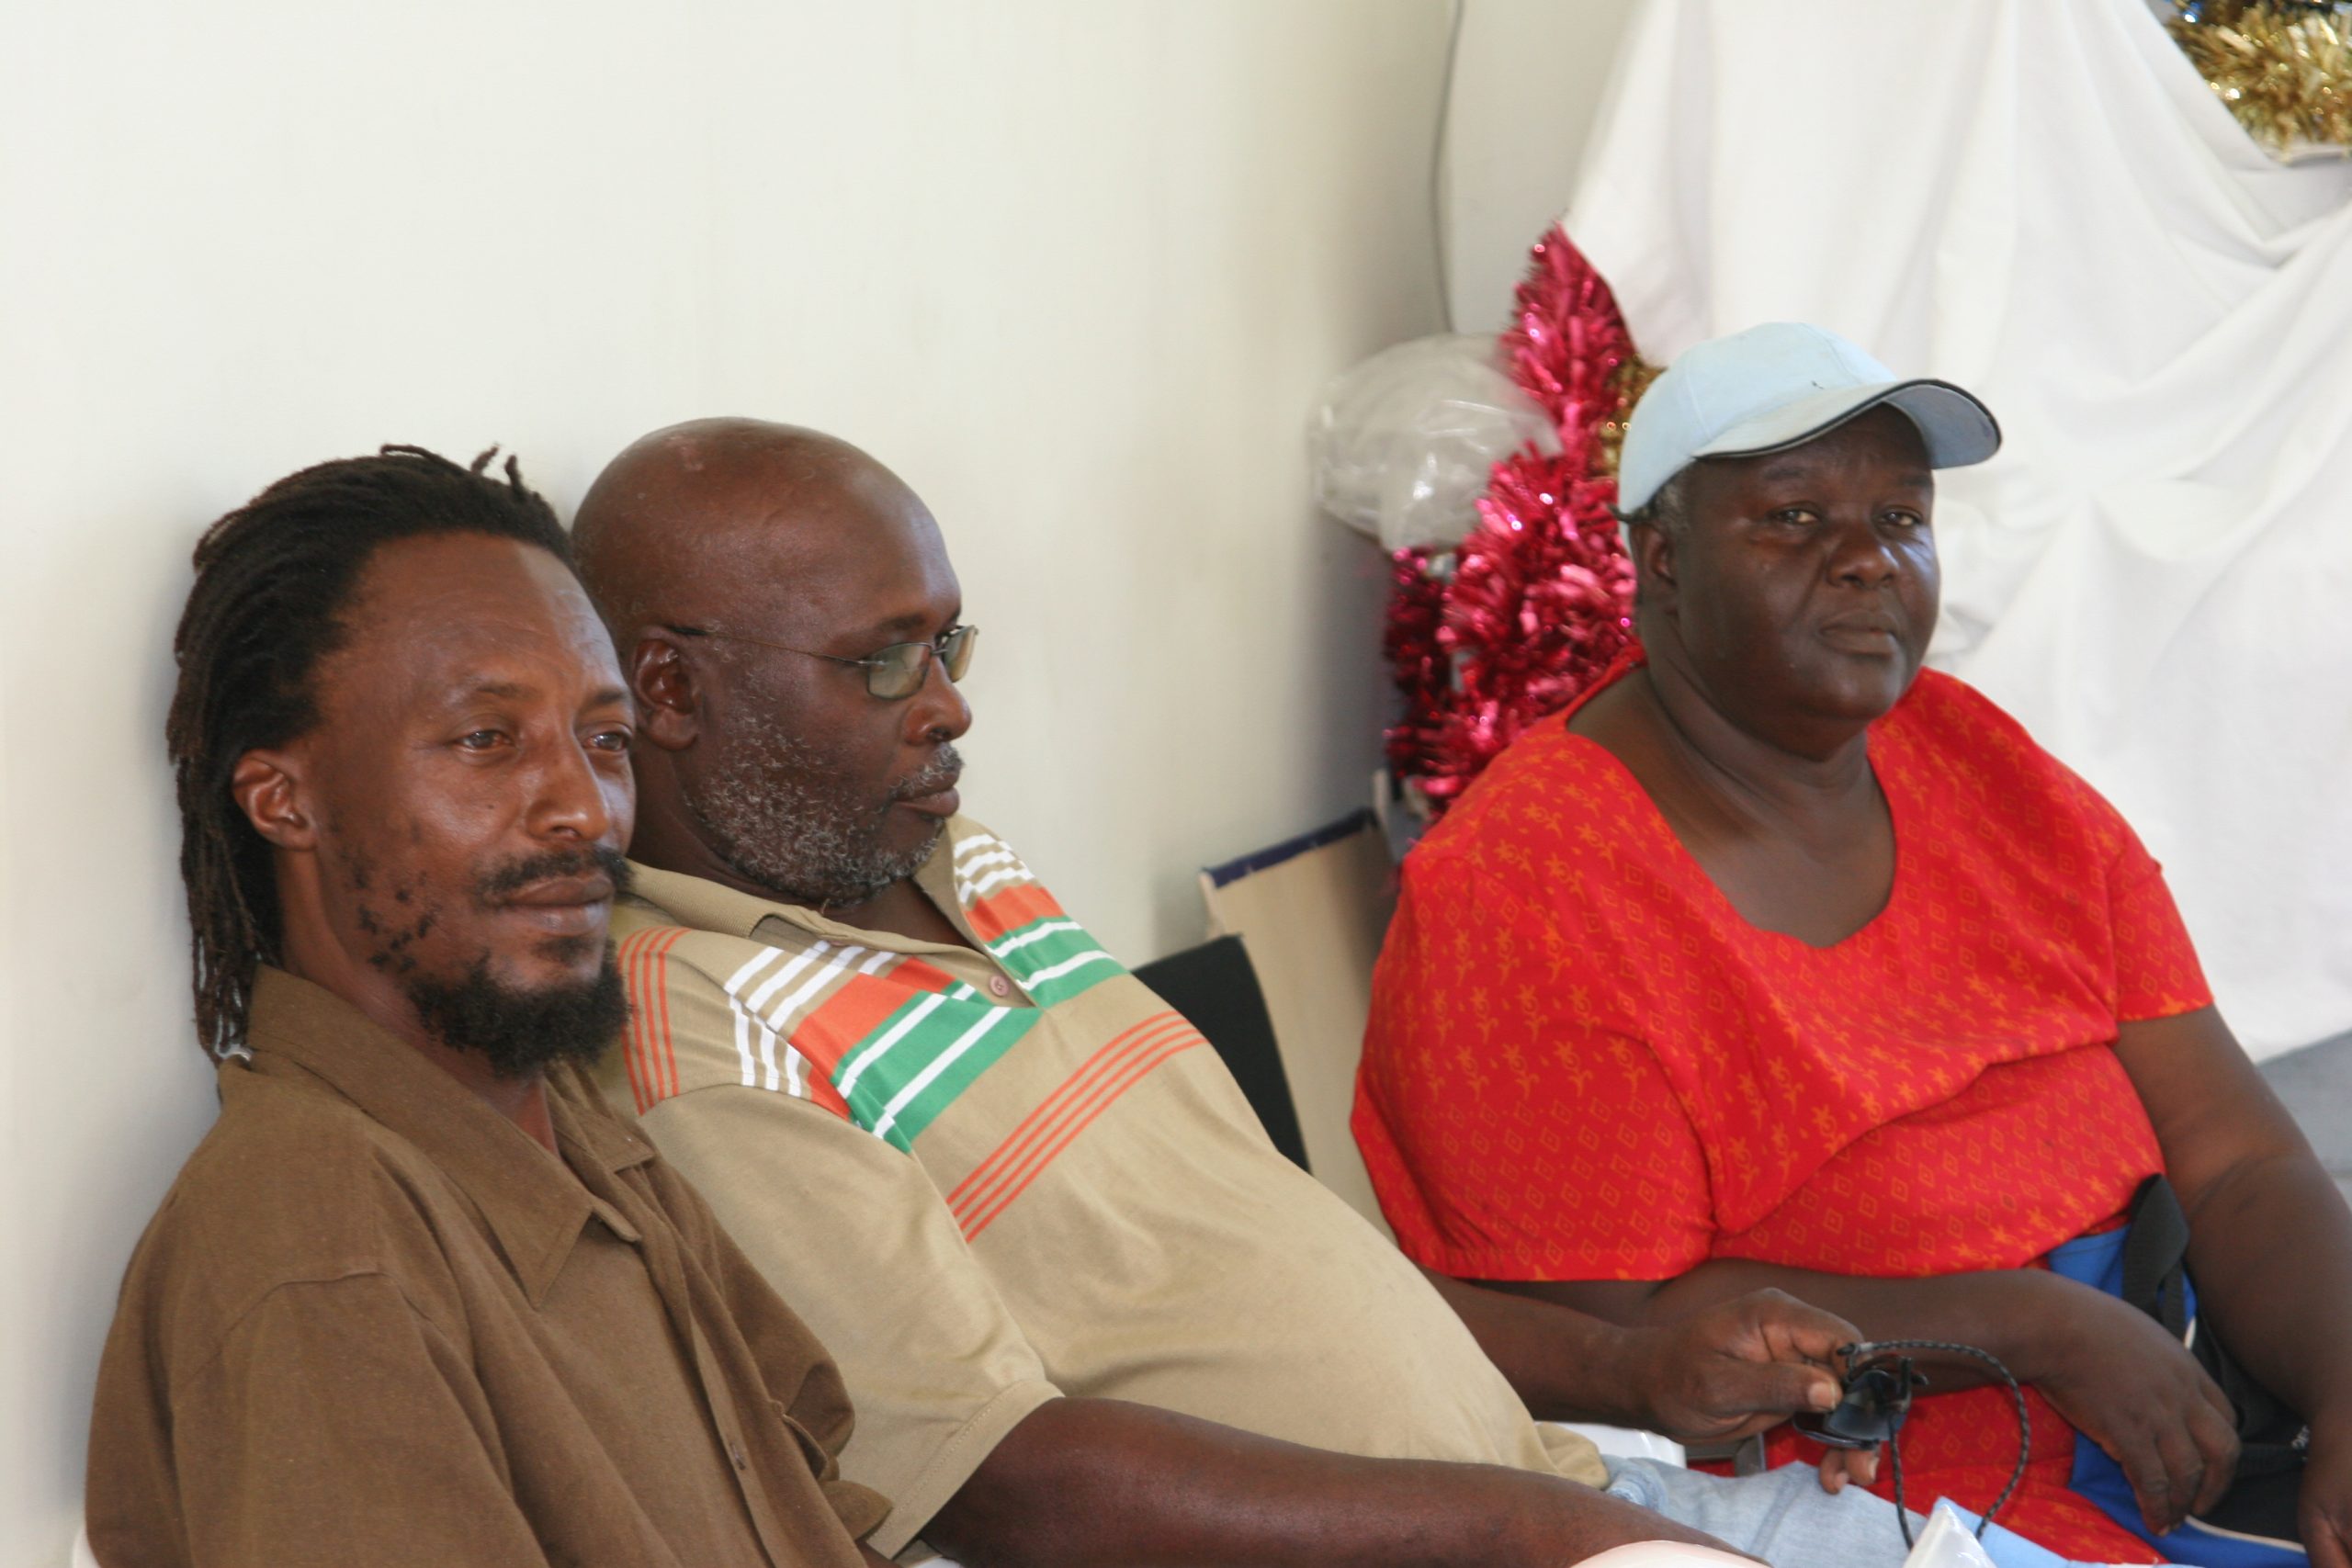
{"x": 613, "y": 739}
{"x": 1903, "y": 519}
{"x": 480, "y": 740}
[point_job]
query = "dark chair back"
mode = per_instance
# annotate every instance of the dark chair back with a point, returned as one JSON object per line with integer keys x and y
{"x": 1214, "y": 987}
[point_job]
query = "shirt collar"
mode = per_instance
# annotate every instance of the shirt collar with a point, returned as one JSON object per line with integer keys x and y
{"x": 708, "y": 905}
{"x": 533, "y": 1203}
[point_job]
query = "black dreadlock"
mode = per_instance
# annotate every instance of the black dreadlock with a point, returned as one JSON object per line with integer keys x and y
{"x": 272, "y": 580}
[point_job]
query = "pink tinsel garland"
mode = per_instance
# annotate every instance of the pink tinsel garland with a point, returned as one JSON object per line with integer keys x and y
{"x": 1539, "y": 598}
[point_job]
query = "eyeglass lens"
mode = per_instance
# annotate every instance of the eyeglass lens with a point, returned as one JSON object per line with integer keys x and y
{"x": 900, "y": 670}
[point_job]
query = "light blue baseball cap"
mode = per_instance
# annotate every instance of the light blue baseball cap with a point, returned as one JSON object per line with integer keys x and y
{"x": 1779, "y": 385}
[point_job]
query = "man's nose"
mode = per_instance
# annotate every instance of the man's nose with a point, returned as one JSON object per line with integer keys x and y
{"x": 568, "y": 798}
{"x": 938, "y": 711}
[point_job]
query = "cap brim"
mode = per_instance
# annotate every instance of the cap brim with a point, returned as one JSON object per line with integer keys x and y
{"x": 1955, "y": 427}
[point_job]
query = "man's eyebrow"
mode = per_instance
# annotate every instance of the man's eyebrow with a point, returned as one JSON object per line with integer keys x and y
{"x": 517, "y": 691}
{"x": 912, "y": 621}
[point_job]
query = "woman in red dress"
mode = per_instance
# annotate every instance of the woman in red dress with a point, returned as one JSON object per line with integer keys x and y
{"x": 1778, "y": 961}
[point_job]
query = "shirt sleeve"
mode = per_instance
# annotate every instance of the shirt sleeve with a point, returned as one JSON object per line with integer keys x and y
{"x": 855, "y": 1237}
{"x": 2156, "y": 971}
{"x": 1508, "y": 1134}
{"x": 337, "y": 1425}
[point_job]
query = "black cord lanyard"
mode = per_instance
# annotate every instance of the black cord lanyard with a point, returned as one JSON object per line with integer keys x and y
{"x": 1858, "y": 1355}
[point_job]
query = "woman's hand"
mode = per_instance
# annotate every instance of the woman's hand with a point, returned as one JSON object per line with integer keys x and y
{"x": 2270, "y": 1241}
{"x": 2137, "y": 1392}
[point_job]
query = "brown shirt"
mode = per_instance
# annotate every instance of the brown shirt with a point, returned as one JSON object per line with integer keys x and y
{"x": 373, "y": 1322}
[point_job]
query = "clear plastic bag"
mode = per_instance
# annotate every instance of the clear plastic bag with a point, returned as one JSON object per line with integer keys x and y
{"x": 1401, "y": 445}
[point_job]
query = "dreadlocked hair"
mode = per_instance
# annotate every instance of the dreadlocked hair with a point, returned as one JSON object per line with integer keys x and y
{"x": 273, "y": 579}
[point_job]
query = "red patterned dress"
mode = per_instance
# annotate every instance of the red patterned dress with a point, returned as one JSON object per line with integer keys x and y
{"x": 1583, "y": 1064}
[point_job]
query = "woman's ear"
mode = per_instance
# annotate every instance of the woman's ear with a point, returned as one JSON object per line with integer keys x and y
{"x": 267, "y": 788}
{"x": 669, "y": 704}
{"x": 1652, "y": 548}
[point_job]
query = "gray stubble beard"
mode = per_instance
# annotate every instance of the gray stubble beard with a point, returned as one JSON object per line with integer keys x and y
{"x": 762, "y": 817}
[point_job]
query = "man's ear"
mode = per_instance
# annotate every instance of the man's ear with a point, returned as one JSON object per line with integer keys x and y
{"x": 267, "y": 788}
{"x": 669, "y": 704}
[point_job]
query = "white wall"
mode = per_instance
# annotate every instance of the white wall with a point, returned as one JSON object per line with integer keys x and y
{"x": 1527, "y": 82}
{"x": 1076, "y": 269}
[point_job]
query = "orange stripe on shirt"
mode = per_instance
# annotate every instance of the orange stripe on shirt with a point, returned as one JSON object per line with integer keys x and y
{"x": 921, "y": 976}
{"x": 976, "y": 1190}
{"x": 633, "y": 1042}
{"x": 663, "y": 1044}
{"x": 860, "y": 1006}
{"x": 645, "y": 970}
{"x": 1136, "y": 1070}
{"x": 1011, "y": 909}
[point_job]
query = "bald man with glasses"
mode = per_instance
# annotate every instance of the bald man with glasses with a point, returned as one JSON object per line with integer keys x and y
{"x": 1086, "y": 1311}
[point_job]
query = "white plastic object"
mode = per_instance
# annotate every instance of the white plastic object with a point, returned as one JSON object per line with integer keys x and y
{"x": 83, "y": 1556}
{"x": 1666, "y": 1554}
{"x": 1402, "y": 444}
{"x": 1948, "y": 1541}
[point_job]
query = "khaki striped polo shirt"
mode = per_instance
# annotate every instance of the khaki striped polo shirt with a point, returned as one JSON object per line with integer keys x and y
{"x": 989, "y": 1175}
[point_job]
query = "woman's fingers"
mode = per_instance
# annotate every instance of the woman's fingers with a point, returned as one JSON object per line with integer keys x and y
{"x": 1839, "y": 1466}
{"x": 2214, "y": 1431}
{"x": 2184, "y": 1467}
{"x": 2144, "y": 1467}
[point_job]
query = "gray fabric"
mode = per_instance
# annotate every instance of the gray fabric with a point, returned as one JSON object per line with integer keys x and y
{"x": 1781, "y": 1516}
{"x": 2317, "y": 1084}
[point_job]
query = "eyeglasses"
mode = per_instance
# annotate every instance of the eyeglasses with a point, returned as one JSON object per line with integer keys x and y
{"x": 892, "y": 673}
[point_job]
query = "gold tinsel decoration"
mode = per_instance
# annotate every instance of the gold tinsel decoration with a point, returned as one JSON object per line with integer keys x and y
{"x": 2284, "y": 68}
{"x": 1630, "y": 381}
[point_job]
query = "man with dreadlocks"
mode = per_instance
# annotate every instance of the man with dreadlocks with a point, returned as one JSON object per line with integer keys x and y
{"x": 419, "y": 1298}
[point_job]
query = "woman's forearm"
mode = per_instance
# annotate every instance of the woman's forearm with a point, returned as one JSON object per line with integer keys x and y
{"x": 1741, "y": 1365}
{"x": 2021, "y": 1316}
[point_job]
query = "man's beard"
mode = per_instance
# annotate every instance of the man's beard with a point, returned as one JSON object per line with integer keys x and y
{"x": 518, "y": 1031}
{"x": 767, "y": 813}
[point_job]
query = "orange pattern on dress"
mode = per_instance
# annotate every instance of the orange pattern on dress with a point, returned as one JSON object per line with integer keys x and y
{"x": 1582, "y": 1064}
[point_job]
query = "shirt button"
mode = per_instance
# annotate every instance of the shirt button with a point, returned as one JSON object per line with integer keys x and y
{"x": 999, "y": 986}
{"x": 735, "y": 1453}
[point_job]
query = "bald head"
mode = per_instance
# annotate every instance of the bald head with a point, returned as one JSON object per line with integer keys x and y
{"x": 715, "y": 503}
{"x": 750, "y": 573}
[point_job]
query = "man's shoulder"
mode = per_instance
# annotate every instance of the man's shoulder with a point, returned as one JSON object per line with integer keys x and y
{"x": 293, "y": 1185}
{"x": 712, "y": 1010}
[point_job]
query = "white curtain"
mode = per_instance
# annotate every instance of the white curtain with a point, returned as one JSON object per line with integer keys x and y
{"x": 2041, "y": 201}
